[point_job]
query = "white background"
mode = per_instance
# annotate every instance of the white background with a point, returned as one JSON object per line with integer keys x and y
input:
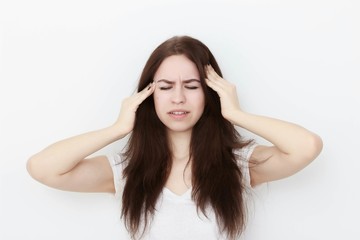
{"x": 66, "y": 66}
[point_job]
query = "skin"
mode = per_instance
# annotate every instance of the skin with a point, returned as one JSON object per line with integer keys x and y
{"x": 294, "y": 147}
{"x": 178, "y": 89}
{"x": 63, "y": 165}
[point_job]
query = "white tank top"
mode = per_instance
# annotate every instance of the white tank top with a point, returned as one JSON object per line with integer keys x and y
{"x": 176, "y": 217}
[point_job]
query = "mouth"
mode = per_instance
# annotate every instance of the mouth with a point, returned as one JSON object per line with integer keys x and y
{"x": 178, "y": 112}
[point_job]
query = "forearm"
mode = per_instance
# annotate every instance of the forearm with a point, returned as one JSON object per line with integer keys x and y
{"x": 64, "y": 155}
{"x": 289, "y": 138}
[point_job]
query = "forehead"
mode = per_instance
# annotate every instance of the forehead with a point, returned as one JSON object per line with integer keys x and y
{"x": 177, "y": 67}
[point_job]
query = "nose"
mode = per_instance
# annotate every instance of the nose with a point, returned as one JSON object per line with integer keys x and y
{"x": 178, "y": 96}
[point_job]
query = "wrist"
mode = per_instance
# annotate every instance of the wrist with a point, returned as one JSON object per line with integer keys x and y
{"x": 236, "y": 117}
{"x": 116, "y": 132}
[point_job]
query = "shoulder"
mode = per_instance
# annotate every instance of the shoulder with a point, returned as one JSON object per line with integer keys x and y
{"x": 243, "y": 156}
{"x": 117, "y": 164}
{"x": 114, "y": 159}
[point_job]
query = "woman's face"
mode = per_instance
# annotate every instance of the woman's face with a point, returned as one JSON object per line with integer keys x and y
{"x": 179, "y": 98}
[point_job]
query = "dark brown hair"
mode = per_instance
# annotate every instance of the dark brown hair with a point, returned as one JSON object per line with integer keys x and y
{"x": 216, "y": 177}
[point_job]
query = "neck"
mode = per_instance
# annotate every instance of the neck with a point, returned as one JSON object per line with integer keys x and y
{"x": 180, "y": 145}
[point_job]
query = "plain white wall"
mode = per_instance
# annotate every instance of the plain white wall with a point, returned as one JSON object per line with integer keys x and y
{"x": 66, "y": 66}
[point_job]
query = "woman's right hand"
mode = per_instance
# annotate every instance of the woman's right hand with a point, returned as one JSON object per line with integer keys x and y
{"x": 63, "y": 165}
{"x": 126, "y": 120}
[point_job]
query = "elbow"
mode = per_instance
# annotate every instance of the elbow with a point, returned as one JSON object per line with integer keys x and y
{"x": 41, "y": 170}
{"x": 31, "y": 168}
{"x": 314, "y": 146}
{"x": 36, "y": 170}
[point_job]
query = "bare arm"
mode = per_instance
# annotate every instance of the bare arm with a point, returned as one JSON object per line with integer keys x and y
{"x": 293, "y": 148}
{"x": 63, "y": 165}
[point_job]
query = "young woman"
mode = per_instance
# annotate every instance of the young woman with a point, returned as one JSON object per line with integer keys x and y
{"x": 184, "y": 173}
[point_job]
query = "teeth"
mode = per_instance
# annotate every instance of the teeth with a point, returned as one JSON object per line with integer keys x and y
{"x": 178, "y": 113}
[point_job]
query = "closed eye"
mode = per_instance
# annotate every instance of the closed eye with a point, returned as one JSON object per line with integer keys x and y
{"x": 191, "y": 87}
{"x": 187, "y": 87}
{"x": 165, "y": 88}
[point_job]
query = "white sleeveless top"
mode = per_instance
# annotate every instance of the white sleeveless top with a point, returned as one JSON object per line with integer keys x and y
{"x": 176, "y": 217}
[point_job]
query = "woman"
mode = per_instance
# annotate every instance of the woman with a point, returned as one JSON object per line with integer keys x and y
{"x": 184, "y": 172}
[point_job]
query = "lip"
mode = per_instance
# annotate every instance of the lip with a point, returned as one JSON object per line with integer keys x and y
{"x": 178, "y": 113}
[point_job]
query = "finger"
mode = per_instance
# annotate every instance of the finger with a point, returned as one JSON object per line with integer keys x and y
{"x": 214, "y": 78}
{"x": 216, "y": 82}
{"x": 209, "y": 73}
{"x": 146, "y": 92}
{"x": 213, "y": 85}
{"x": 212, "y": 74}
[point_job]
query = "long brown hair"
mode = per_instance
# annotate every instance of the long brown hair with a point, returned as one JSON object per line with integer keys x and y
{"x": 217, "y": 180}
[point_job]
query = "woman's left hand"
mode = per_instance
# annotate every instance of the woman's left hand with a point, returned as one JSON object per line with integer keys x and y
{"x": 226, "y": 91}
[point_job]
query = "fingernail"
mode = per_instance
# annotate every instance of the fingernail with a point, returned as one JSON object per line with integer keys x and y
{"x": 149, "y": 86}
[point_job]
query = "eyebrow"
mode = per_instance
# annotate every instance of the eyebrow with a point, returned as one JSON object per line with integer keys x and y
{"x": 184, "y": 81}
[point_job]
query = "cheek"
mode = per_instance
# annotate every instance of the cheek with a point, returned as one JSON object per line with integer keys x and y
{"x": 160, "y": 98}
{"x": 158, "y": 102}
{"x": 198, "y": 99}
{"x": 202, "y": 102}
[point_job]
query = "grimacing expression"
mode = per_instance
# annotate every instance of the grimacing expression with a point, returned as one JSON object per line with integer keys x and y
{"x": 179, "y": 98}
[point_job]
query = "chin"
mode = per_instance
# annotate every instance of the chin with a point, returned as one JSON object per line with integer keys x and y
{"x": 179, "y": 129}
